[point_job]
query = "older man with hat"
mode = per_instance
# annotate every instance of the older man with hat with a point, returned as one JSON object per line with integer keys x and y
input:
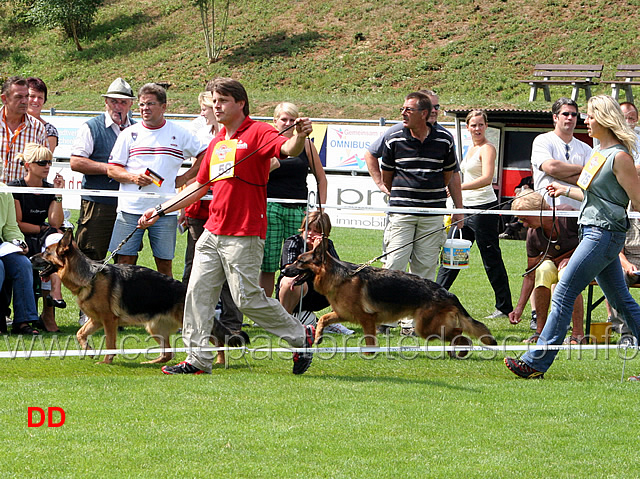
{"x": 89, "y": 155}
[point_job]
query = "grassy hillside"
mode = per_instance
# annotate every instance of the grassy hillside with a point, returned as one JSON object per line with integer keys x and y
{"x": 343, "y": 58}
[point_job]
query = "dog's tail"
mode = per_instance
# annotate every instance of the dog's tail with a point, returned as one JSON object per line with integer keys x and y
{"x": 476, "y": 329}
{"x": 224, "y": 335}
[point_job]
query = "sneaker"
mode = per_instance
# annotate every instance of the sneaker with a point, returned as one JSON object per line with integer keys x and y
{"x": 533, "y": 324}
{"x": 306, "y": 317}
{"x": 408, "y": 332}
{"x": 338, "y": 328}
{"x": 182, "y": 368}
{"x": 497, "y": 314}
{"x": 302, "y": 361}
{"x": 522, "y": 369}
{"x": 634, "y": 378}
{"x": 82, "y": 318}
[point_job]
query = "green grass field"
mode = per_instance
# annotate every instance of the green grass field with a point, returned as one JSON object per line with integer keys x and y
{"x": 392, "y": 415}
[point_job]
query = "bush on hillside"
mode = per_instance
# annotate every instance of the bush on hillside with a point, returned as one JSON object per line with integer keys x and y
{"x": 75, "y": 17}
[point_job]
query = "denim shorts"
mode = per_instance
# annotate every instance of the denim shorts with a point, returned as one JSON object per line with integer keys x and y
{"x": 162, "y": 235}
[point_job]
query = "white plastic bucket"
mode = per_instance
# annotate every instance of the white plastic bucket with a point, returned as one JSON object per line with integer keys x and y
{"x": 455, "y": 252}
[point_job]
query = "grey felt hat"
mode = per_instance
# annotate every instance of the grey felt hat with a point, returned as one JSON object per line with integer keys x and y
{"x": 119, "y": 89}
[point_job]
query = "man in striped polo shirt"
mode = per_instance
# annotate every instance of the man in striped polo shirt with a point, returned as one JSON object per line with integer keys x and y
{"x": 417, "y": 165}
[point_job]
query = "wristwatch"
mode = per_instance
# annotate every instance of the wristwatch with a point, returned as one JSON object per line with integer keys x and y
{"x": 159, "y": 210}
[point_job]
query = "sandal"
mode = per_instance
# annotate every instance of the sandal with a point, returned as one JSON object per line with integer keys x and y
{"x": 24, "y": 328}
{"x": 533, "y": 339}
{"x": 56, "y": 303}
{"x": 574, "y": 340}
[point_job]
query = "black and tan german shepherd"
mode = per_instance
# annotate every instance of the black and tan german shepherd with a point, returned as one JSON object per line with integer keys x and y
{"x": 372, "y": 296}
{"x": 119, "y": 294}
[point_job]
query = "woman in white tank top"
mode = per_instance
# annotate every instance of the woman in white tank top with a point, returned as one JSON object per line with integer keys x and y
{"x": 477, "y": 193}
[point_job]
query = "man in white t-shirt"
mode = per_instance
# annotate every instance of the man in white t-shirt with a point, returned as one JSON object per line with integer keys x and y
{"x": 630, "y": 113}
{"x": 557, "y": 155}
{"x": 147, "y": 157}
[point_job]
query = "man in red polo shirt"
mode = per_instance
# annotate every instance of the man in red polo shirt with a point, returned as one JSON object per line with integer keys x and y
{"x": 231, "y": 246}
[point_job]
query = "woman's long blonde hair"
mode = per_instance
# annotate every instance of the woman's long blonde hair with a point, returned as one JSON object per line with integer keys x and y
{"x": 606, "y": 111}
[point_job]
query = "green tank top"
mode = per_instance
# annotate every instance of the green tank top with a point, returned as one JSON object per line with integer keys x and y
{"x": 605, "y": 201}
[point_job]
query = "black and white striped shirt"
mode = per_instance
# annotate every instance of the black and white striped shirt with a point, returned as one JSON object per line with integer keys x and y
{"x": 419, "y": 168}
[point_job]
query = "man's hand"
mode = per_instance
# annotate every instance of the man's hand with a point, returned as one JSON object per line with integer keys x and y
{"x": 148, "y": 218}
{"x": 515, "y": 316}
{"x": 303, "y": 126}
{"x": 143, "y": 180}
{"x": 457, "y": 220}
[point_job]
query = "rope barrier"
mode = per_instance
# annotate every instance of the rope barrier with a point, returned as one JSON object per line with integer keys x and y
{"x": 62, "y": 353}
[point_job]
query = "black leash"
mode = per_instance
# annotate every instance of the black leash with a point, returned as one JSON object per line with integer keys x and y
{"x": 426, "y": 235}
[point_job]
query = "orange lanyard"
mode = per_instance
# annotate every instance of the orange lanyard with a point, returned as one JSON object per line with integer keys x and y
{"x": 14, "y": 138}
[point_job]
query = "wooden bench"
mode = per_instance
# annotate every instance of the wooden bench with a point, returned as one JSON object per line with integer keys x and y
{"x": 626, "y": 76}
{"x": 591, "y": 304}
{"x": 578, "y": 76}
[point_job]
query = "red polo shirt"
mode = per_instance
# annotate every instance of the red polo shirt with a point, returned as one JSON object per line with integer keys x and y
{"x": 239, "y": 206}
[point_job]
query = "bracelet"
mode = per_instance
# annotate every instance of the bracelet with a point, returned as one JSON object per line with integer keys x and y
{"x": 159, "y": 210}
{"x": 567, "y": 192}
{"x": 58, "y": 199}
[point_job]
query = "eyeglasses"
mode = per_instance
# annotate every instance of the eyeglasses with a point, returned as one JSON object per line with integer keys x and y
{"x": 149, "y": 104}
{"x": 569, "y": 113}
{"x": 44, "y": 163}
{"x": 436, "y": 106}
{"x": 409, "y": 109}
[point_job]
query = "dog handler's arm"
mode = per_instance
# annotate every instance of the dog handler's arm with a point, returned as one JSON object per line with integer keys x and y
{"x": 190, "y": 194}
{"x": 527, "y": 287}
{"x": 294, "y": 145}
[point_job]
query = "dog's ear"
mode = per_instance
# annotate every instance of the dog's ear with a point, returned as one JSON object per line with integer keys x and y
{"x": 321, "y": 248}
{"x": 65, "y": 243}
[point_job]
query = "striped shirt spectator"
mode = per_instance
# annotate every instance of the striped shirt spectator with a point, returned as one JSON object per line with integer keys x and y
{"x": 17, "y": 128}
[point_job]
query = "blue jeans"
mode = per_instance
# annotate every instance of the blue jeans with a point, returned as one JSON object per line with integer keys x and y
{"x": 18, "y": 267}
{"x": 162, "y": 235}
{"x": 595, "y": 257}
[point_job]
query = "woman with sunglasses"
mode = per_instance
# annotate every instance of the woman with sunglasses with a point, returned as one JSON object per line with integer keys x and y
{"x": 606, "y": 185}
{"x": 478, "y": 168}
{"x": 40, "y": 215}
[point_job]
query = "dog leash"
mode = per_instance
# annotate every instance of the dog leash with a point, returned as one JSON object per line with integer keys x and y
{"x": 377, "y": 258}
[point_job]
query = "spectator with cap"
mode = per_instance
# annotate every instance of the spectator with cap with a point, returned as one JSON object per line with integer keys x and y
{"x": 89, "y": 155}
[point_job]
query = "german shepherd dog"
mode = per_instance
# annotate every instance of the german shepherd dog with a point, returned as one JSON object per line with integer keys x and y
{"x": 120, "y": 294}
{"x": 372, "y": 296}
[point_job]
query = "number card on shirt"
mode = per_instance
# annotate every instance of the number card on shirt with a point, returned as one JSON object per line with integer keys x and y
{"x": 590, "y": 169}
{"x": 223, "y": 160}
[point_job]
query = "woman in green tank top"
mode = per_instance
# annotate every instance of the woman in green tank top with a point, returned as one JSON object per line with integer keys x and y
{"x": 607, "y": 183}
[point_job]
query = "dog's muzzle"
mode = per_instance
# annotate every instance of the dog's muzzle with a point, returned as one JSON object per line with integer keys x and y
{"x": 43, "y": 267}
{"x": 300, "y": 276}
